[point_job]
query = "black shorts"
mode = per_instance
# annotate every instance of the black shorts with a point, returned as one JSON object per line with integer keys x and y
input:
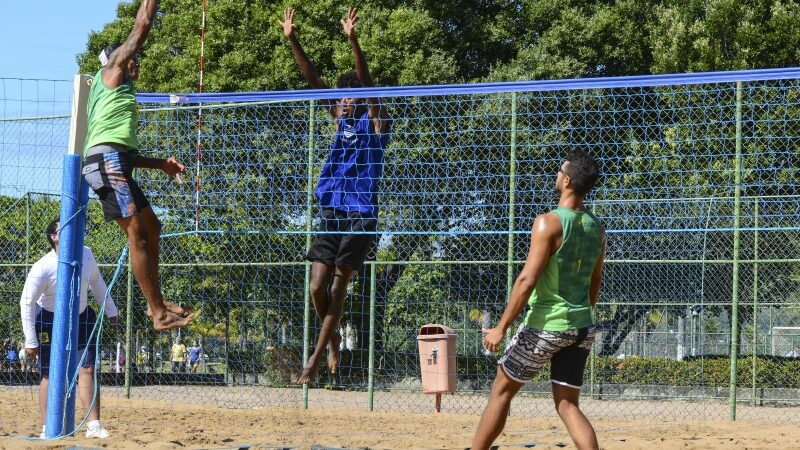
{"x": 531, "y": 349}
{"x": 44, "y": 331}
{"x": 110, "y": 175}
{"x": 346, "y": 250}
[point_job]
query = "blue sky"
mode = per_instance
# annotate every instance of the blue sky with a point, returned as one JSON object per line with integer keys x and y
{"x": 40, "y": 38}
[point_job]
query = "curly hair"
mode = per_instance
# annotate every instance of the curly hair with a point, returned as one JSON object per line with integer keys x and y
{"x": 583, "y": 170}
{"x": 348, "y": 80}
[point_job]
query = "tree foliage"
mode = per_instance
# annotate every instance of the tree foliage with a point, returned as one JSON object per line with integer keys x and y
{"x": 424, "y": 42}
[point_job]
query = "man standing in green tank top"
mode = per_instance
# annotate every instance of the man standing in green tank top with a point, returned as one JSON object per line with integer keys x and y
{"x": 111, "y": 154}
{"x": 560, "y": 283}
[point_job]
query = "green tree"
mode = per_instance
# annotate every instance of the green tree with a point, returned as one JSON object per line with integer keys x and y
{"x": 700, "y": 36}
{"x": 245, "y": 50}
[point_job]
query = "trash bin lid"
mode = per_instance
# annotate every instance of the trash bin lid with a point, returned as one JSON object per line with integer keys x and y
{"x": 431, "y": 329}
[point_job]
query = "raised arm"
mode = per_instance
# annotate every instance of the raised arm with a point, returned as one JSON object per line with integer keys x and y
{"x": 377, "y": 113}
{"x": 306, "y": 66}
{"x": 546, "y": 230}
{"x": 114, "y": 72}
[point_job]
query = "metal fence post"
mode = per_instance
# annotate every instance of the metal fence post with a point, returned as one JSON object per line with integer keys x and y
{"x": 736, "y": 237}
{"x": 755, "y": 296}
{"x": 307, "y": 284}
{"x": 373, "y": 270}
{"x": 128, "y": 330}
{"x": 512, "y": 171}
{"x": 228, "y": 344}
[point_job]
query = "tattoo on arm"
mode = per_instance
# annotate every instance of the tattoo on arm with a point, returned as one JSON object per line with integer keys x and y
{"x": 141, "y": 28}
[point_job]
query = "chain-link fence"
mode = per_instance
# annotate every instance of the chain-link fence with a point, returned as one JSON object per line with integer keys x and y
{"x": 698, "y": 197}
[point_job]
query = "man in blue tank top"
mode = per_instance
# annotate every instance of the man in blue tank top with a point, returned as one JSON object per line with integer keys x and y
{"x": 347, "y": 192}
{"x": 560, "y": 282}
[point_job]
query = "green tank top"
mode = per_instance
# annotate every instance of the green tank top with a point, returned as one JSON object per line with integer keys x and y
{"x": 112, "y": 115}
{"x": 560, "y": 300}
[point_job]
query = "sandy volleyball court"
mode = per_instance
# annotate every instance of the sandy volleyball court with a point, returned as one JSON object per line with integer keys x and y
{"x": 147, "y": 423}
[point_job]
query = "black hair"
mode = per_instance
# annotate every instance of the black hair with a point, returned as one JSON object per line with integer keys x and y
{"x": 109, "y": 49}
{"x": 51, "y": 230}
{"x": 583, "y": 171}
{"x": 348, "y": 80}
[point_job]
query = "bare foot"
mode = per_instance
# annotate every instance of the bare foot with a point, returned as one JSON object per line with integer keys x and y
{"x": 169, "y": 321}
{"x": 182, "y": 311}
{"x": 333, "y": 353}
{"x": 309, "y": 372}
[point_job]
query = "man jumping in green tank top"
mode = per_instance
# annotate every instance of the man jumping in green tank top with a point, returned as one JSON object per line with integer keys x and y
{"x": 111, "y": 154}
{"x": 560, "y": 282}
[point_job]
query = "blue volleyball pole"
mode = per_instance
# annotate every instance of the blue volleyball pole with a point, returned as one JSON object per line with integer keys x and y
{"x": 73, "y": 362}
{"x": 64, "y": 339}
{"x": 60, "y": 416}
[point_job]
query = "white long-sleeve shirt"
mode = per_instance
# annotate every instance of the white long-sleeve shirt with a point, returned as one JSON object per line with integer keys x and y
{"x": 40, "y": 291}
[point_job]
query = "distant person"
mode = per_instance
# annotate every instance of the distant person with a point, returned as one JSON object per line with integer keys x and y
{"x": 11, "y": 358}
{"x": 794, "y": 353}
{"x": 36, "y": 310}
{"x": 560, "y": 283}
{"x": 195, "y": 351}
{"x": 178, "y": 356}
{"x": 142, "y": 358}
{"x": 112, "y": 152}
{"x": 347, "y": 192}
{"x": 121, "y": 359}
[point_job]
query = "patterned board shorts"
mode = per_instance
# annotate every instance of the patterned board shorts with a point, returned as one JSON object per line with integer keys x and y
{"x": 531, "y": 349}
{"x": 109, "y": 173}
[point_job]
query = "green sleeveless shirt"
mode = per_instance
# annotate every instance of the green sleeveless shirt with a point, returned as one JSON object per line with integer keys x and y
{"x": 560, "y": 300}
{"x": 112, "y": 115}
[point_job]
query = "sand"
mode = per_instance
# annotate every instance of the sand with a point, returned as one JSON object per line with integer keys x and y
{"x": 339, "y": 419}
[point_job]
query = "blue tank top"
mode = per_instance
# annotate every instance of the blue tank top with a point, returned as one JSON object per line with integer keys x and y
{"x": 349, "y": 179}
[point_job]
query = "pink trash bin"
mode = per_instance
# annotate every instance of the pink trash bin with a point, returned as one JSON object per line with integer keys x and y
{"x": 437, "y": 359}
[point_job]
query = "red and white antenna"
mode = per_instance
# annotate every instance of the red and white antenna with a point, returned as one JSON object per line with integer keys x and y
{"x": 200, "y": 120}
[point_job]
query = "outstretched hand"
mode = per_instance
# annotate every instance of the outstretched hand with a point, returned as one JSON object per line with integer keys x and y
{"x": 349, "y": 24}
{"x": 288, "y": 23}
{"x": 174, "y": 169}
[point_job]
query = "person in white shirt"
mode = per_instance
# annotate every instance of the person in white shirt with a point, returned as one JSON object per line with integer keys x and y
{"x": 36, "y": 310}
